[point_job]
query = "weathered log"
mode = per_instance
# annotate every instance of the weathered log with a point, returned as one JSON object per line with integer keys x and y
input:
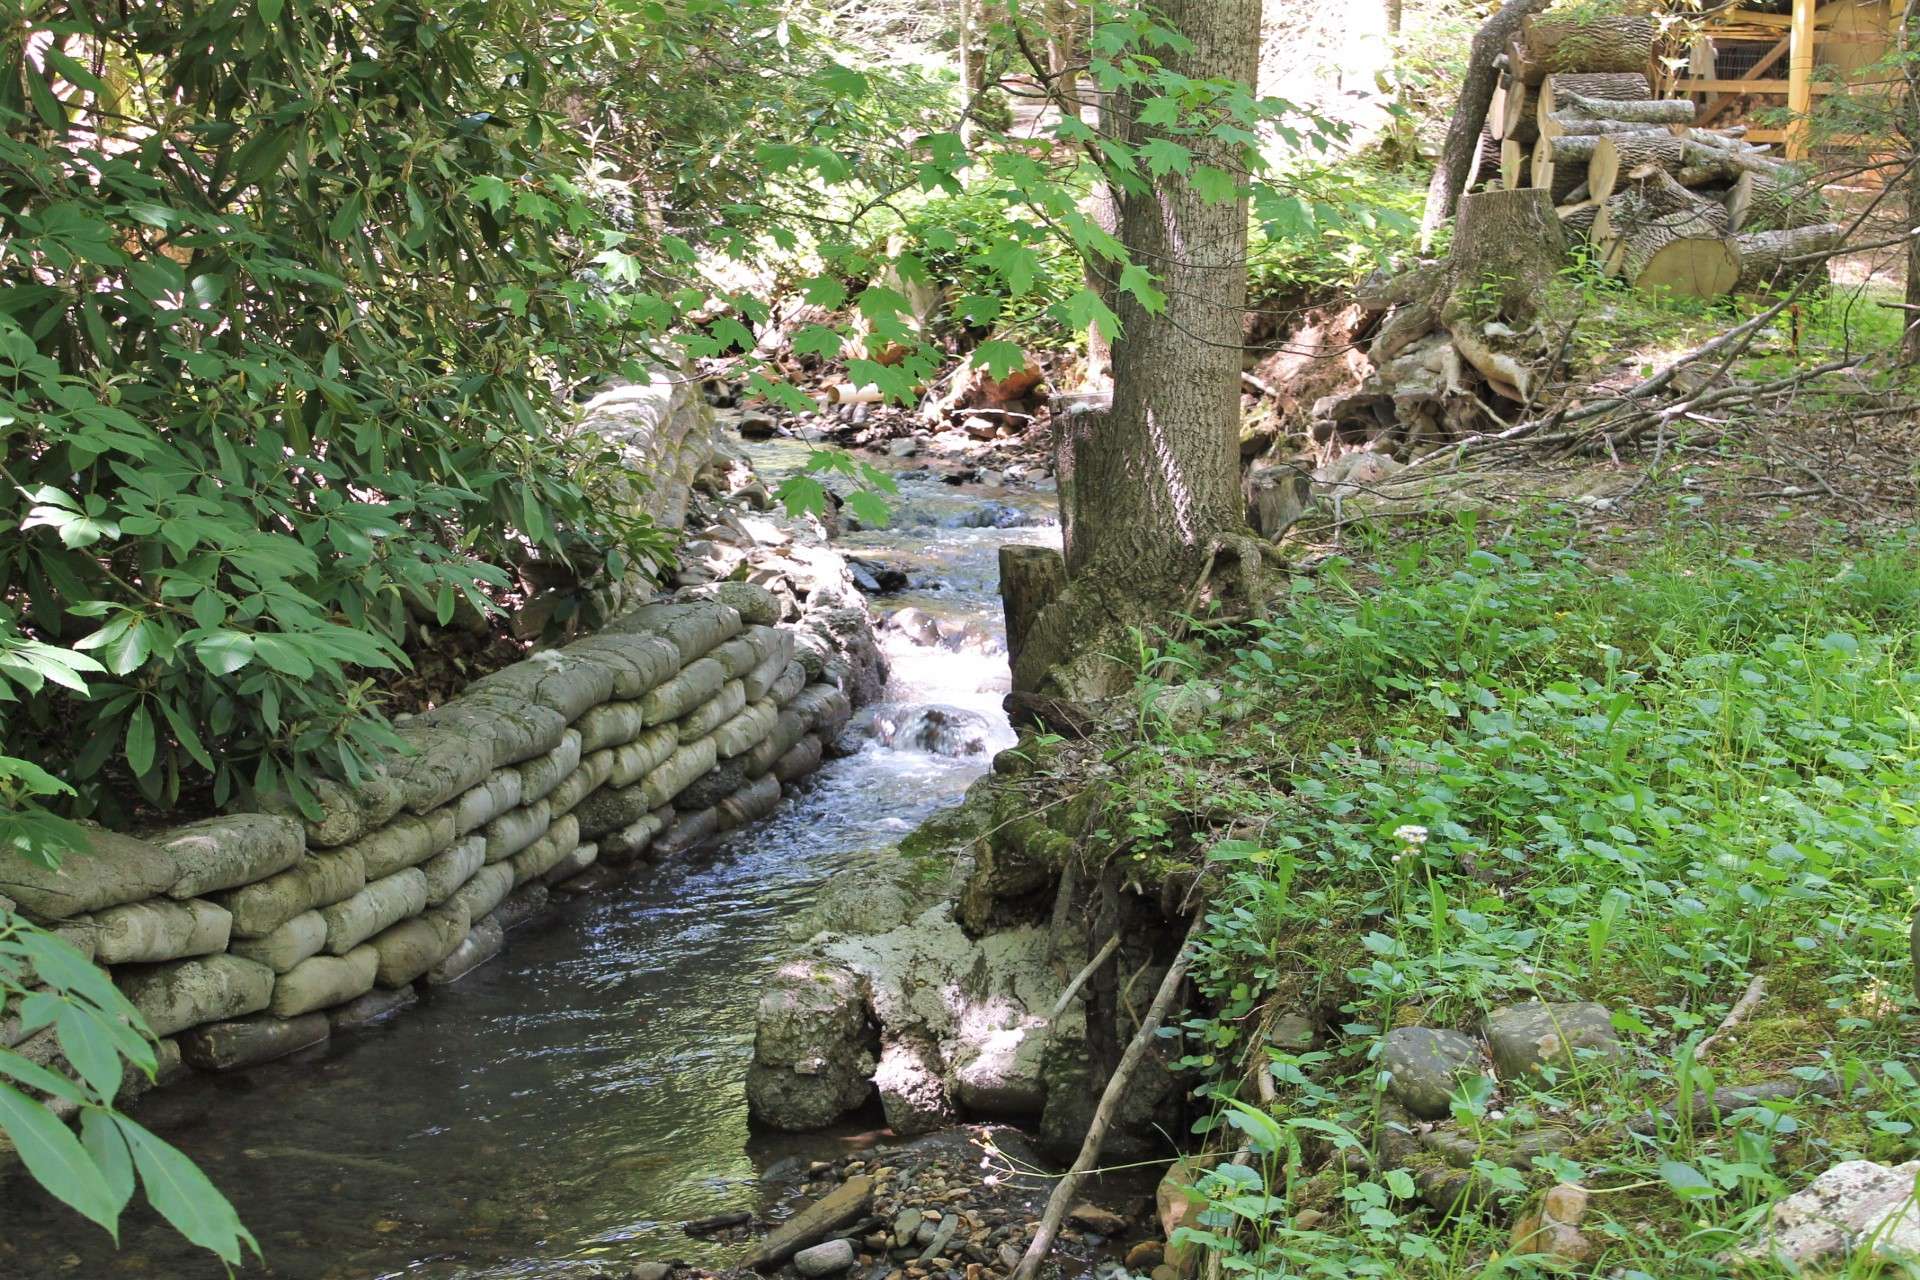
{"x": 1765, "y": 202}
{"x": 1578, "y": 218}
{"x": 1513, "y": 165}
{"x": 1031, "y": 578}
{"x": 1766, "y": 257}
{"x": 1619, "y": 86}
{"x": 1513, "y": 112}
{"x": 1554, "y": 46}
{"x": 1566, "y": 125}
{"x": 1638, "y": 111}
{"x": 1617, "y": 155}
{"x": 1659, "y": 235}
{"x": 1561, "y": 165}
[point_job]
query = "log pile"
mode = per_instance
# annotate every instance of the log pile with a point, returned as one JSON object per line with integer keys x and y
{"x": 1589, "y": 157}
{"x": 1663, "y": 204}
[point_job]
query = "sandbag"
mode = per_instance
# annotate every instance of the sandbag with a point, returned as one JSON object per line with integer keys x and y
{"x": 567, "y": 681}
{"x": 714, "y": 712}
{"x": 317, "y": 880}
{"x": 226, "y": 852}
{"x": 801, "y": 759}
{"x": 383, "y": 902}
{"x": 446, "y": 872}
{"x": 696, "y": 683}
{"x": 110, "y": 869}
{"x": 405, "y": 842}
{"x": 511, "y": 832}
{"x": 248, "y": 1042}
{"x": 694, "y": 627}
{"x": 487, "y": 889}
{"x": 185, "y": 993}
{"x": 611, "y": 724}
{"x": 410, "y": 948}
{"x": 538, "y": 777}
{"x": 792, "y": 680}
{"x": 482, "y": 943}
{"x": 688, "y": 831}
{"x": 378, "y": 1004}
{"x": 643, "y": 755}
{"x": 682, "y": 767}
{"x": 321, "y": 982}
{"x": 641, "y": 661}
{"x": 544, "y": 854}
{"x": 746, "y": 730}
{"x": 160, "y": 929}
{"x": 754, "y": 604}
{"x": 750, "y": 803}
{"x": 629, "y": 842}
{"x": 577, "y": 860}
{"x": 581, "y": 783}
{"x": 481, "y": 804}
{"x": 286, "y": 946}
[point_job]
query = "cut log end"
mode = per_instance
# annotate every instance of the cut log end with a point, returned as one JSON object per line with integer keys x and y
{"x": 1691, "y": 267}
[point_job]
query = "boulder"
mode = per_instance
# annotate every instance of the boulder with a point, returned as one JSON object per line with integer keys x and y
{"x": 1530, "y": 1039}
{"x": 409, "y": 949}
{"x": 321, "y": 982}
{"x": 226, "y": 852}
{"x": 1427, "y": 1065}
{"x": 1552, "y": 1227}
{"x": 109, "y": 870}
{"x": 912, "y": 1093}
{"x": 383, "y": 902}
{"x": 405, "y": 842}
{"x": 185, "y": 993}
{"x": 1179, "y": 1203}
{"x": 813, "y": 1049}
{"x": 1855, "y": 1208}
{"x": 248, "y": 1042}
{"x": 318, "y": 880}
{"x": 286, "y": 946}
{"x": 160, "y": 929}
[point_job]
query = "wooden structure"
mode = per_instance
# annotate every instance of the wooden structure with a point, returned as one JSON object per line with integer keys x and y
{"x": 1766, "y": 54}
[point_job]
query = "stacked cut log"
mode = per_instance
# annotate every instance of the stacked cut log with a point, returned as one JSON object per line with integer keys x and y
{"x": 1665, "y": 204}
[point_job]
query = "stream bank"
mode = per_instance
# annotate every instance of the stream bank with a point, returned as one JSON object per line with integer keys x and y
{"x": 561, "y": 1111}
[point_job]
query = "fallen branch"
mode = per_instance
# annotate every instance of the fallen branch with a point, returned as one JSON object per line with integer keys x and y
{"x": 1063, "y": 1192}
{"x": 1080, "y": 979}
{"x": 1736, "y": 1015}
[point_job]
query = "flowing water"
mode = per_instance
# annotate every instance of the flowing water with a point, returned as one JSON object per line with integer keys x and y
{"x": 563, "y": 1109}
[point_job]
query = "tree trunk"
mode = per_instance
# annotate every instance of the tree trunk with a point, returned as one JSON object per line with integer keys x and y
{"x": 966, "y": 72}
{"x": 1506, "y": 250}
{"x": 1102, "y": 208}
{"x": 1469, "y": 114}
{"x": 1910, "y": 137}
{"x": 1148, "y": 487}
{"x": 1581, "y": 45}
{"x": 1765, "y": 256}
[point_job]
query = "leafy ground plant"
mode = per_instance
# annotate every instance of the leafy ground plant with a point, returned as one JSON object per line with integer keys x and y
{"x": 1471, "y": 770}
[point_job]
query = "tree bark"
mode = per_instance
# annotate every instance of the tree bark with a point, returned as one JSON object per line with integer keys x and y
{"x": 1620, "y": 155}
{"x": 1765, "y": 256}
{"x": 1469, "y": 114}
{"x": 1582, "y": 45}
{"x": 1031, "y": 578}
{"x": 1148, "y": 487}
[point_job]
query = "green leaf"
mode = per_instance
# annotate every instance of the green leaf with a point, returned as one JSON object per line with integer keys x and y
{"x": 1215, "y": 186}
{"x": 1687, "y": 1182}
{"x": 90, "y": 1049}
{"x": 1000, "y": 358}
{"x": 101, "y": 1140}
{"x": 184, "y": 1197}
{"x": 869, "y": 509}
{"x": 1164, "y": 156}
{"x": 1087, "y": 310}
{"x": 224, "y": 652}
{"x": 56, "y": 1159}
{"x": 1138, "y": 281}
{"x": 140, "y": 741}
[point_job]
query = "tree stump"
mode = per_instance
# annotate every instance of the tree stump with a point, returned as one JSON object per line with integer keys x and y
{"x": 1031, "y": 578}
{"x": 1507, "y": 247}
{"x": 1766, "y": 256}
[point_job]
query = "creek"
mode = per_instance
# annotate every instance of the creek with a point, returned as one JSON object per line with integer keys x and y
{"x": 562, "y": 1110}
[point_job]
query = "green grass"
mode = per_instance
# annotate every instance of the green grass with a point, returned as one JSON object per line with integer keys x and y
{"x": 1640, "y": 785}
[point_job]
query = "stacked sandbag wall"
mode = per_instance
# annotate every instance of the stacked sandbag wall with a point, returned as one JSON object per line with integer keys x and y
{"x": 248, "y": 936}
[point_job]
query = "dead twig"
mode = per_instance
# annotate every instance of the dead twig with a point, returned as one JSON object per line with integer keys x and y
{"x": 1756, "y": 990}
